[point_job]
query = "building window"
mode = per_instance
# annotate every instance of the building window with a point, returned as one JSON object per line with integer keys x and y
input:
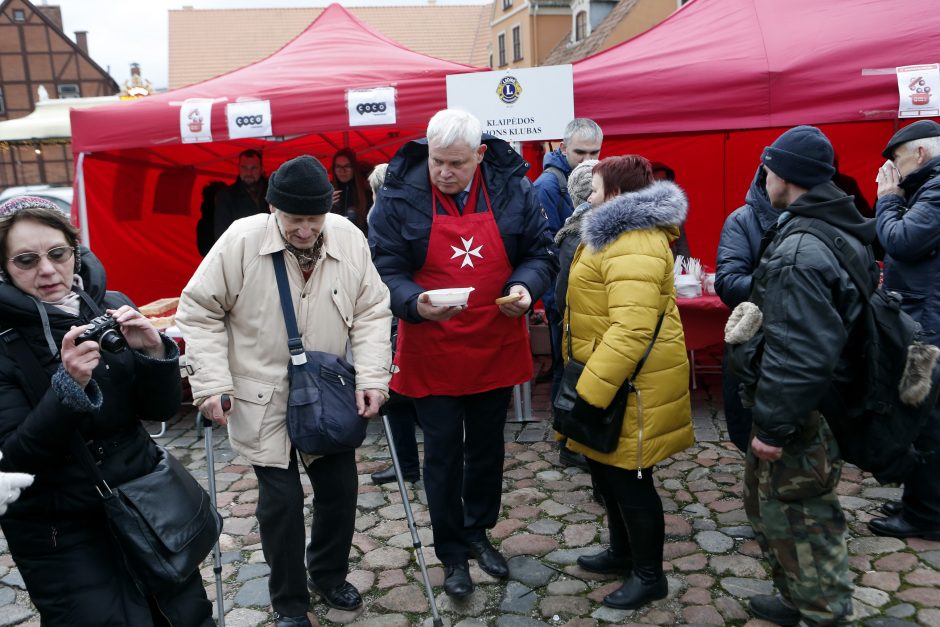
{"x": 69, "y": 90}
{"x": 516, "y": 43}
{"x": 501, "y": 45}
{"x": 3, "y": 107}
{"x": 580, "y": 26}
{"x": 19, "y": 15}
{"x": 507, "y": 4}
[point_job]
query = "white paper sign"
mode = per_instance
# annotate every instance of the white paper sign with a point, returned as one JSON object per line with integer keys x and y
{"x": 196, "y": 120}
{"x": 371, "y": 107}
{"x": 249, "y": 119}
{"x": 919, "y": 87}
{"x": 517, "y": 104}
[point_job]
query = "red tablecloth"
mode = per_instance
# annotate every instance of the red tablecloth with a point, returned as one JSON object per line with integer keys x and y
{"x": 703, "y": 321}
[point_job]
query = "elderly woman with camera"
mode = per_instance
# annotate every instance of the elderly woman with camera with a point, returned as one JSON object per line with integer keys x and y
{"x": 79, "y": 367}
{"x": 623, "y": 325}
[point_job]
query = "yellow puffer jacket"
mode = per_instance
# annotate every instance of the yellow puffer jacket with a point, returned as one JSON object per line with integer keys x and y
{"x": 621, "y": 279}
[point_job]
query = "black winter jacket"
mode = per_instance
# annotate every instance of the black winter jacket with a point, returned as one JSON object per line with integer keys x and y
{"x": 400, "y": 223}
{"x": 810, "y": 306}
{"x": 739, "y": 246}
{"x": 909, "y": 231}
{"x": 126, "y": 387}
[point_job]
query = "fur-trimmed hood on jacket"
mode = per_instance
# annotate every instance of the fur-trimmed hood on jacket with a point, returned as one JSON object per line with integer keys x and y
{"x": 662, "y": 204}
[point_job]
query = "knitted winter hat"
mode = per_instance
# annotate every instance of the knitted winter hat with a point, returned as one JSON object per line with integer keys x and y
{"x": 802, "y": 156}
{"x": 579, "y": 181}
{"x": 22, "y": 202}
{"x": 300, "y": 186}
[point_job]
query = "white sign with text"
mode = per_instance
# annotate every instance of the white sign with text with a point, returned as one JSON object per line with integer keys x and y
{"x": 251, "y": 118}
{"x": 919, "y": 88}
{"x": 371, "y": 107}
{"x": 517, "y": 104}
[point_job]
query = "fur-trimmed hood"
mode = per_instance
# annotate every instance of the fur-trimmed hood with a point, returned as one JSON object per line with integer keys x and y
{"x": 659, "y": 205}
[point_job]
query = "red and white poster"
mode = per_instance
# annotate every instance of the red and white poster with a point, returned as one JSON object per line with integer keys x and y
{"x": 919, "y": 87}
{"x": 196, "y": 120}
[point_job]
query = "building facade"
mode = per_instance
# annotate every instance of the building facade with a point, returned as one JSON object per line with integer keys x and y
{"x": 38, "y": 60}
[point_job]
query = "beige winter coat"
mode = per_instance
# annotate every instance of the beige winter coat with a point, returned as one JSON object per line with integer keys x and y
{"x": 236, "y": 342}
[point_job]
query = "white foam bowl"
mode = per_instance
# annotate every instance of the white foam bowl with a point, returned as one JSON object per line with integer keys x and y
{"x": 450, "y": 297}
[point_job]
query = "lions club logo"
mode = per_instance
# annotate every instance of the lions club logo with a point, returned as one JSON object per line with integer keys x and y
{"x": 509, "y": 89}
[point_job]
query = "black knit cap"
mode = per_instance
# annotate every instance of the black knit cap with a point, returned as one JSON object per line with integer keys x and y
{"x": 300, "y": 187}
{"x": 802, "y": 156}
{"x": 918, "y": 130}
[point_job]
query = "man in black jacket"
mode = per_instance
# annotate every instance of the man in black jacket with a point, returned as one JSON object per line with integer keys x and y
{"x": 244, "y": 197}
{"x": 810, "y": 306}
{"x": 908, "y": 214}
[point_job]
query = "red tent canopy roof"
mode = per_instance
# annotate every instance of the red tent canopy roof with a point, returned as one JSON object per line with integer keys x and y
{"x": 305, "y": 81}
{"x": 739, "y": 64}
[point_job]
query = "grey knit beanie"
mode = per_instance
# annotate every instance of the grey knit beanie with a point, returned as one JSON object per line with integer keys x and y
{"x": 579, "y": 181}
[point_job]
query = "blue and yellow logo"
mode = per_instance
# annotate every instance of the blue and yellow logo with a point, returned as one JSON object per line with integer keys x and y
{"x": 509, "y": 89}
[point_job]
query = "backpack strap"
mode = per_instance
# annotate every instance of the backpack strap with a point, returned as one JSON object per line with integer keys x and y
{"x": 562, "y": 182}
{"x": 836, "y": 240}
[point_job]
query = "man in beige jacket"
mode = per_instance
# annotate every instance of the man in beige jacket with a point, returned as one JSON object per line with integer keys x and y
{"x": 236, "y": 342}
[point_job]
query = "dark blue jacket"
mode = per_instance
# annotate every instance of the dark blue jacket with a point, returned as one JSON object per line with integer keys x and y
{"x": 909, "y": 231}
{"x": 739, "y": 246}
{"x": 400, "y": 223}
{"x": 554, "y": 200}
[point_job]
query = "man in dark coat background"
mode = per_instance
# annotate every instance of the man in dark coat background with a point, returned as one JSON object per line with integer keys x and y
{"x": 908, "y": 217}
{"x": 244, "y": 197}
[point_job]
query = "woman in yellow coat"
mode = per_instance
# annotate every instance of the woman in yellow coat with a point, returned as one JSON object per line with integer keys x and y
{"x": 621, "y": 281}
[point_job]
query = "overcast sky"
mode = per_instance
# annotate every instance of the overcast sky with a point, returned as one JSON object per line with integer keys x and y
{"x": 121, "y": 32}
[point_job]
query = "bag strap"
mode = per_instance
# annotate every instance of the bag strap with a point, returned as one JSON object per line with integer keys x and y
{"x": 562, "y": 181}
{"x": 34, "y": 376}
{"x": 646, "y": 354}
{"x": 836, "y": 241}
{"x": 294, "y": 342}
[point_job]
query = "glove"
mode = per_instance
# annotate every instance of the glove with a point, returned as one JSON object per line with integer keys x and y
{"x": 11, "y": 484}
{"x": 582, "y": 410}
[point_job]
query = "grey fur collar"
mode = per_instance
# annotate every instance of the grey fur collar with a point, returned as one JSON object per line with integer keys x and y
{"x": 658, "y": 205}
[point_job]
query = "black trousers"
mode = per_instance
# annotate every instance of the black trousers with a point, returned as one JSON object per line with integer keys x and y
{"x": 922, "y": 488}
{"x": 75, "y": 575}
{"x": 463, "y": 466}
{"x": 634, "y": 515}
{"x": 737, "y": 416}
{"x": 281, "y": 519}
{"x": 402, "y": 421}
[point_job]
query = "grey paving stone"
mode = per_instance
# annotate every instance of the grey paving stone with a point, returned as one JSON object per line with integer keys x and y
{"x": 253, "y": 593}
{"x": 901, "y": 610}
{"x": 530, "y": 571}
{"x": 253, "y": 571}
{"x": 518, "y": 599}
{"x": 746, "y": 587}
{"x": 714, "y": 541}
{"x": 13, "y": 614}
{"x": 518, "y": 621}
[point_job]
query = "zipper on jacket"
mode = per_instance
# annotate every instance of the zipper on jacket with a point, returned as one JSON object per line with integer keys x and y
{"x": 329, "y": 374}
{"x": 54, "y": 533}
{"x": 639, "y": 442}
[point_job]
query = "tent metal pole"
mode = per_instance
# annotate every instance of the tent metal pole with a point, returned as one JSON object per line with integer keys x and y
{"x": 82, "y": 204}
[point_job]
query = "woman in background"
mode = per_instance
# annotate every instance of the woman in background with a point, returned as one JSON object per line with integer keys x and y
{"x": 351, "y": 196}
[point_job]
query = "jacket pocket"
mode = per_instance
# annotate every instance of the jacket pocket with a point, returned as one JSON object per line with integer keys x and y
{"x": 254, "y": 398}
{"x": 343, "y": 304}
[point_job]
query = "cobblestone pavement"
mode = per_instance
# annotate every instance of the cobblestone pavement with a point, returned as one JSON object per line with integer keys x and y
{"x": 549, "y": 519}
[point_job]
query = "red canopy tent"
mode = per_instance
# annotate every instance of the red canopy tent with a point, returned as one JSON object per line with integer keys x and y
{"x": 139, "y": 186}
{"x": 708, "y": 88}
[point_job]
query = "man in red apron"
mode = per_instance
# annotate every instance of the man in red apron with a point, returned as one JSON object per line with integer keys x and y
{"x": 457, "y": 211}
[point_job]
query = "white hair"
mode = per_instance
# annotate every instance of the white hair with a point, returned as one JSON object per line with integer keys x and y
{"x": 930, "y": 144}
{"x": 584, "y": 127}
{"x": 377, "y": 177}
{"x": 450, "y": 126}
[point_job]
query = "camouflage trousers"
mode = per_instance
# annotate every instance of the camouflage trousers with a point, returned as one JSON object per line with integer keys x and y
{"x": 797, "y": 520}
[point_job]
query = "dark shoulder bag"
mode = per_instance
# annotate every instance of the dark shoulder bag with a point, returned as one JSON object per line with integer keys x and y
{"x": 321, "y": 408}
{"x": 163, "y": 522}
{"x": 603, "y": 432}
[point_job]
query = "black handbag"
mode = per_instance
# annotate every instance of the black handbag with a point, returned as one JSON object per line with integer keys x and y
{"x": 163, "y": 522}
{"x": 601, "y": 431}
{"x": 322, "y": 418}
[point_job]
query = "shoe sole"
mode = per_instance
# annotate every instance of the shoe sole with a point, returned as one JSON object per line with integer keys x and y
{"x": 773, "y": 619}
{"x": 638, "y": 604}
{"x": 458, "y": 596}
{"x": 608, "y": 571}
{"x": 408, "y": 479}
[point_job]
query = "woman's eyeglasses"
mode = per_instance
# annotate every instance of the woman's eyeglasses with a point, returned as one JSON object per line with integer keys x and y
{"x": 57, "y": 255}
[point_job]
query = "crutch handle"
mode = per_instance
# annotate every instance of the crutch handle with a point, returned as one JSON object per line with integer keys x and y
{"x": 226, "y": 402}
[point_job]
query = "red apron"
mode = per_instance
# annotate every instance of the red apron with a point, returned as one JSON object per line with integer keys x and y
{"x": 479, "y": 349}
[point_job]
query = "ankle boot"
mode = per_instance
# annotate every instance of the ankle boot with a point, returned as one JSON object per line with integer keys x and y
{"x": 640, "y": 588}
{"x": 606, "y": 562}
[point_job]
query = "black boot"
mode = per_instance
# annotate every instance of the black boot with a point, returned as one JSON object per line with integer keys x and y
{"x": 607, "y": 562}
{"x": 643, "y": 586}
{"x": 775, "y": 609}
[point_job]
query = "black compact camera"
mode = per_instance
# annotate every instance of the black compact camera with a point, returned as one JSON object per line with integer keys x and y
{"x": 104, "y": 330}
